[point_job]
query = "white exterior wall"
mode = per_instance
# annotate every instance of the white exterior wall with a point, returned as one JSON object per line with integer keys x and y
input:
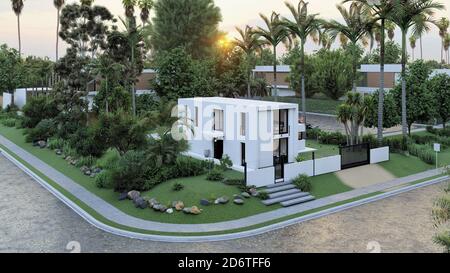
{"x": 379, "y": 155}
{"x": 327, "y": 165}
{"x": 20, "y": 98}
{"x": 261, "y": 177}
{"x": 6, "y": 100}
{"x": 293, "y": 170}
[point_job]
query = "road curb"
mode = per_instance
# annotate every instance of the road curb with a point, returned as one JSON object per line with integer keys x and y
{"x": 209, "y": 238}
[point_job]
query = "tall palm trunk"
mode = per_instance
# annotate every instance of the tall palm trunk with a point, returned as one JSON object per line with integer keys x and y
{"x": 57, "y": 33}
{"x": 249, "y": 93}
{"x": 381, "y": 92}
{"x": 302, "y": 63}
{"x": 355, "y": 67}
{"x": 19, "y": 36}
{"x": 275, "y": 84}
{"x": 133, "y": 91}
{"x": 421, "y": 48}
{"x": 404, "y": 121}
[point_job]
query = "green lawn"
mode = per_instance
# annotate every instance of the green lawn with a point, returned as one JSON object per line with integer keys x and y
{"x": 315, "y": 105}
{"x": 195, "y": 189}
{"x": 327, "y": 184}
{"x": 323, "y": 150}
{"x": 402, "y": 165}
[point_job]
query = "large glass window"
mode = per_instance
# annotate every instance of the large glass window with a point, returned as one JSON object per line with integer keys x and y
{"x": 280, "y": 122}
{"x": 243, "y": 124}
{"x": 218, "y": 120}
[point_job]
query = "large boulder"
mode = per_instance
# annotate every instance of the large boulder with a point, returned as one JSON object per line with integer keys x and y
{"x": 133, "y": 195}
{"x": 238, "y": 201}
{"x": 222, "y": 200}
{"x": 179, "y": 206}
{"x": 140, "y": 203}
{"x": 123, "y": 196}
{"x": 152, "y": 202}
{"x": 245, "y": 194}
{"x": 195, "y": 210}
{"x": 187, "y": 210}
{"x": 205, "y": 202}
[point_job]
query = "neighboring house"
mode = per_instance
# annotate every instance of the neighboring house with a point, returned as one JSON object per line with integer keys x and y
{"x": 283, "y": 71}
{"x": 143, "y": 84}
{"x": 21, "y": 96}
{"x": 392, "y": 75}
{"x": 260, "y": 134}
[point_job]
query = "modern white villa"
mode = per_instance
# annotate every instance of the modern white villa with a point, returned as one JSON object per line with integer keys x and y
{"x": 258, "y": 133}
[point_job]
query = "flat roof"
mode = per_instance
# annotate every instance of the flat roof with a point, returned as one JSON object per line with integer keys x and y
{"x": 388, "y": 68}
{"x": 243, "y": 102}
{"x": 269, "y": 68}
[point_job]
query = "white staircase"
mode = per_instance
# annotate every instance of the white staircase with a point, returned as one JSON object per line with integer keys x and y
{"x": 286, "y": 194}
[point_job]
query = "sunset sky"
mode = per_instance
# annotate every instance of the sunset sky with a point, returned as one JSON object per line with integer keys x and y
{"x": 39, "y": 20}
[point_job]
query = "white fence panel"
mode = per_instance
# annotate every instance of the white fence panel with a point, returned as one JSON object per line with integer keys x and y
{"x": 6, "y": 100}
{"x": 327, "y": 165}
{"x": 261, "y": 177}
{"x": 379, "y": 155}
{"x": 293, "y": 170}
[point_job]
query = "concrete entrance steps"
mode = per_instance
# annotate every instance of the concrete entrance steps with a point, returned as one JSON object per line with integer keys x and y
{"x": 281, "y": 188}
{"x": 286, "y": 194}
{"x": 277, "y": 185}
{"x": 297, "y": 201}
{"x": 294, "y": 196}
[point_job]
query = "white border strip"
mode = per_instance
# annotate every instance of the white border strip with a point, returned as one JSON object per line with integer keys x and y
{"x": 210, "y": 238}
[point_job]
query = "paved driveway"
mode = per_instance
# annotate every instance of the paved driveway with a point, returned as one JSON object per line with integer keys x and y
{"x": 32, "y": 220}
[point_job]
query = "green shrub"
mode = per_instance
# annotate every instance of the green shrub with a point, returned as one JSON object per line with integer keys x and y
{"x": 87, "y": 161}
{"x": 263, "y": 195}
{"x": 215, "y": 174}
{"x": 303, "y": 183}
{"x": 425, "y": 153}
{"x": 44, "y": 130}
{"x": 372, "y": 140}
{"x": 87, "y": 142}
{"x": 68, "y": 150}
{"x": 9, "y": 122}
{"x": 423, "y": 139}
{"x": 109, "y": 160}
{"x": 313, "y": 133}
{"x": 55, "y": 143}
{"x": 132, "y": 172}
{"x": 104, "y": 180}
{"x": 233, "y": 182}
{"x": 177, "y": 187}
{"x": 38, "y": 109}
{"x": 396, "y": 144}
{"x": 188, "y": 166}
{"x": 302, "y": 157}
{"x": 332, "y": 138}
{"x": 225, "y": 163}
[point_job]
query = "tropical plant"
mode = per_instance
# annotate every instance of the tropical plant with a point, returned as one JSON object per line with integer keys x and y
{"x": 216, "y": 174}
{"x": 303, "y": 183}
{"x": 390, "y": 28}
{"x": 303, "y": 26}
{"x": 352, "y": 115}
{"x": 17, "y": 6}
{"x": 58, "y": 5}
{"x": 358, "y": 26}
{"x": 273, "y": 34}
{"x": 412, "y": 43}
{"x": 249, "y": 43}
{"x": 443, "y": 24}
{"x": 441, "y": 217}
{"x": 391, "y": 115}
{"x": 405, "y": 14}
{"x": 421, "y": 27}
{"x": 129, "y": 6}
{"x": 11, "y": 71}
{"x": 145, "y": 6}
{"x": 440, "y": 86}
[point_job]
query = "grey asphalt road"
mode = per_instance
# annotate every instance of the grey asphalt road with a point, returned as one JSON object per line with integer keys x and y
{"x": 33, "y": 220}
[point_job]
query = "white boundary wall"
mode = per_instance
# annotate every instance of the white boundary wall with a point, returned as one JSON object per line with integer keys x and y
{"x": 261, "y": 177}
{"x": 327, "y": 165}
{"x": 6, "y": 100}
{"x": 293, "y": 170}
{"x": 379, "y": 155}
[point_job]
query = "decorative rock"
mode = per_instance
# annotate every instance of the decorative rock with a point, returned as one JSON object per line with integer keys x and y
{"x": 162, "y": 208}
{"x": 253, "y": 192}
{"x": 42, "y": 144}
{"x": 97, "y": 170}
{"x": 84, "y": 169}
{"x": 93, "y": 175}
{"x": 195, "y": 210}
{"x": 88, "y": 173}
{"x": 245, "y": 194}
{"x": 58, "y": 152}
{"x": 238, "y": 201}
{"x": 35, "y": 144}
{"x": 157, "y": 207}
{"x": 179, "y": 206}
{"x": 205, "y": 202}
{"x": 133, "y": 195}
{"x": 169, "y": 211}
{"x": 140, "y": 203}
{"x": 187, "y": 210}
{"x": 152, "y": 202}
{"x": 222, "y": 200}
{"x": 123, "y": 196}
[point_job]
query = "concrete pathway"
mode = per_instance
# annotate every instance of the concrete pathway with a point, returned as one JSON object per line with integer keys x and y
{"x": 117, "y": 216}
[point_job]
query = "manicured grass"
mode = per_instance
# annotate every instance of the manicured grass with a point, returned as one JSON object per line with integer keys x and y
{"x": 402, "y": 165}
{"x": 315, "y": 105}
{"x": 323, "y": 150}
{"x": 327, "y": 184}
{"x": 195, "y": 187}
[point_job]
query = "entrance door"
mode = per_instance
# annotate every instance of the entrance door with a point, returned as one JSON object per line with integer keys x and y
{"x": 242, "y": 154}
{"x": 218, "y": 149}
{"x": 280, "y": 157}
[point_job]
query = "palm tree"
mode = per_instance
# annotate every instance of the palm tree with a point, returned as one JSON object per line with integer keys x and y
{"x": 352, "y": 114}
{"x": 58, "y": 5}
{"x": 131, "y": 22}
{"x": 303, "y": 26}
{"x": 325, "y": 41}
{"x": 421, "y": 26}
{"x": 381, "y": 11}
{"x": 412, "y": 43}
{"x": 249, "y": 43}
{"x": 129, "y": 7}
{"x": 145, "y": 6}
{"x": 274, "y": 34}
{"x": 446, "y": 47}
{"x": 405, "y": 14}
{"x": 358, "y": 25}
{"x": 17, "y": 6}
{"x": 443, "y": 24}
{"x": 86, "y": 2}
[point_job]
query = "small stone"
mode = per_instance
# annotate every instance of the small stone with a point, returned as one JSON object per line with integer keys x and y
{"x": 97, "y": 170}
{"x": 140, "y": 203}
{"x": 123, "y": 196}
{"x": 169, "y": 211}
{"x": 133, "y": 195}
{"x": 58, "y": 152}
{"x": 195, "y": 210}
{"x": 245, "y": 194}
{"x": 88, "y": 173}
{"x": 253, "y": 192}
{"x": 238, "y": 201}
{"x": 205, "y": 202}
{"x": 93, "y": 175}
{"x": 42, "y": 144}
{"x": 162, "y": 208}
{"x": 179, "y": 206}
{"x": 187, "y": 210}
{"x": 222, "y": 200}
{"x": 152, "y": 202}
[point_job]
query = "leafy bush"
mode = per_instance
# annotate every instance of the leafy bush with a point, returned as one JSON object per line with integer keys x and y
{"x": 131, "y": 172}
{"x": 263, "y": 195}
{"x": 109, "y": 160}
{"x": 332, "y": 138}
{"x": 88, "y": 142}
{"x": 88, "y": 161}
{"x": 215, "y": 174}
{"x": 177, "y": 187}
{"x": 423, "y": 139}
{"x": 225, "y": 163}
{"x": 38, "y": 109}
{"x": 55, "y": 143}
{"x": 104, "y": 180}
{"x": 188, "y": 166}
{"x": 313, "y": 133}
{"x": 9, "y": 122}
{"x": 302, "y": 157}
{"x": 303, "y": 183}
{"x": 372, "y": 140}
{"x": 396, "y": 144}
{"x": 68, "y": 150}
{"x": 425, "y": 153}
{"x": 44, "y": 130}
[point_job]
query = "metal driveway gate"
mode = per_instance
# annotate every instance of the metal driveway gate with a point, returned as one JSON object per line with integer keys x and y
{"x": 354, "y": 155}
